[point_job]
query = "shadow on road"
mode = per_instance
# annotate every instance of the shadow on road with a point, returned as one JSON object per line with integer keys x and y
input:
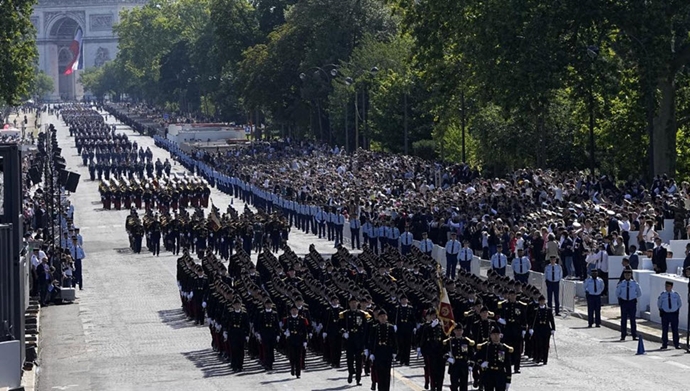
{"x": 176, "y": 318}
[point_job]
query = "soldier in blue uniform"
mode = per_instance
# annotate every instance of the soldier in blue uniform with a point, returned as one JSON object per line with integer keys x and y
{"x": 669, "y": 303}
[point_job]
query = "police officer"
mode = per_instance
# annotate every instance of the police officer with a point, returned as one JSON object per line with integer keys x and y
{"x": 627, "y": 292}
{"x": 521, "y": 267}
{"x": 553, "y": 273}
{"x": 465, "y": 256}
{"x": 669, "y": 304}
{"x": 594, "y": 287}
{"x": 354, "y": 232}
{"x": 499, "y": 261}
{"x": 406, "y": 241}
{"x": 426, "y": 246}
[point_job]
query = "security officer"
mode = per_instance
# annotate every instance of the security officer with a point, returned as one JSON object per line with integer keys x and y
{"x": 405, "y": 322}
{"x": 452, "y": 250}
{"x": 406, "y": 241}
{"x": 594, "y": 287}
{"x": 381, "y": 350}
{"x": 627, "y": 292}
{"x": 669, "y": 304}
{"x": 499, "y": 261}
{"x": 460, "y": 353}
{"x": 465, "y": 256}
{"x": 296, "y": 337}
{"x": 514, "y": 318}
{"x": 426, "y": 246}
{"x": 495, "y": 362}
{"x": 353, "y": 322}
{"x": 553, "y": 273}
{"x": 521, "y": 267}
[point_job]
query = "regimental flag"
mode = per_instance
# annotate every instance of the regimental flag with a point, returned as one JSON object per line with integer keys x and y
{"x": 445, "y": 312}
{"x": 214, "y": 221}
{"x": 76, "y": 48}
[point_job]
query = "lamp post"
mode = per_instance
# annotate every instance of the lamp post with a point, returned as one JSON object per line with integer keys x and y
{"x": 317, "y": 72}
{"x": 593, "y": 53}
{"x": 350, "y": 81}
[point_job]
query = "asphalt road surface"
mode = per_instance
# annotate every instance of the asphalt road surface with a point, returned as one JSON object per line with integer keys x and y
{"x": 127, "y": 331}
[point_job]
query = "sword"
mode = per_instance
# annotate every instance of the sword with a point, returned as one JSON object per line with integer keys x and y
{"x": 553, "y": 336}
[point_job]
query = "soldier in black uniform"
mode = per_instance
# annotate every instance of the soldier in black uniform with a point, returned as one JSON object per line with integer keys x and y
{"x": 405, "y": 321}
{"x": 155, "y": 239}
{"x": 460, "y": 354}
{"x": 353, "y": 322}
{"x": 331, "y": 333}
{"x": 542, "y": 327}
{"x": 514, "y": 319}
{"x": 382, "y": 350}
{"x": 238, "y": 334}
{"x": 494, "y": 357}
{"x": 92, "y": 170}
{"x": 296, "y": 329}
{"x": 268, "y": 333}
{"x": 431, "y": 347}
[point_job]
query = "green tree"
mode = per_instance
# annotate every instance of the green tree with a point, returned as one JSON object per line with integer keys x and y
{"x": 17, "y": 50}
{"x": 42, "y": 85}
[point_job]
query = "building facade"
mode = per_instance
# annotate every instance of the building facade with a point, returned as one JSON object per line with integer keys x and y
{"x": 56, "y": 23}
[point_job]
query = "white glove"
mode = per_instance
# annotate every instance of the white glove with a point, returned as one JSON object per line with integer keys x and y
{"x": 346, "y": 335}
{"x": 414, "y": 331}
{"x": 280, "y": 324}
{"x": 324, "y": 335}
{"x": 304, "y": 344}
{"x": 191, "y": 294}
{"x": 502, "y": 321}
{"x": 395, "y": 328}
{"x": 523, "y": 333}
{"x": 507, "y": 386}
{"x": 371, "y": 358}
{"x": 287, "y": 333}
{"x": 225, "y": 335}
{"x": 309, "y": 336}
{"x": 394, "y": 356}
{"x": 485, "y": 364}
{"x": 366, "y": 353}
{"x": 203, "y": 304}
{"x": 531, "y": 331}
{"x": 246, "y": 339}
{"x": 419, "y": 352}
{"x": 553, "y": 332}
{"x": 258, "y": 336}
{"x": 277, "y": 338}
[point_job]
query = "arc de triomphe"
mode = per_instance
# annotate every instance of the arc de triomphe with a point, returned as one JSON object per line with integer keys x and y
{"x": 56, "y": 23}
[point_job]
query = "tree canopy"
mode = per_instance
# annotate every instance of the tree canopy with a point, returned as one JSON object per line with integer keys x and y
{"x": 512, "y": 83}
{"x": 17, "y": 50}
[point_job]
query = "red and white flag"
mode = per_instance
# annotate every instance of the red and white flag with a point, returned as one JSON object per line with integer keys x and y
{"x": 75, "y": 48}
{"x": 445, "y": 312}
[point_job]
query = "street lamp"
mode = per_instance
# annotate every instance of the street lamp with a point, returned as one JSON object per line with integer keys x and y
{"x": 593, "y": 53}
{"x": 317, "y": 71}
{"x": 349, "y": 81}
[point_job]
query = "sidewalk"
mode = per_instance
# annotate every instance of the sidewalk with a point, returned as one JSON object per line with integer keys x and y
{"x": 611, "y": 318}
{"x": 31, "y": 121}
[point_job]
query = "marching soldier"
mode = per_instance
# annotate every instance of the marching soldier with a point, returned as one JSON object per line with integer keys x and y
{"x": 513, "y": 318}
{"x": 405, "y": 322}
{"x": 431, "y": 347}
{"x": 353, "y": 323}
{"x": 296, "y": 337}
{"x": 238, "y": 334}
{"x": 267, "y": 333}
{"x": 460, "y": 353}
{"x": 331, "y": 333}
{"x": 542, "y": 328}
{"x": 495, "y": 362}
{"x": 382, "y": 351}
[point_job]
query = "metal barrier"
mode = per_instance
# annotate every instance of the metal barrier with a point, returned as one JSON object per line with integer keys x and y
{"x": 568, "y": 295}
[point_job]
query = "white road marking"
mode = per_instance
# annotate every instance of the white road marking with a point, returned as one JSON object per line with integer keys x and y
{"x": 677, "y": 364}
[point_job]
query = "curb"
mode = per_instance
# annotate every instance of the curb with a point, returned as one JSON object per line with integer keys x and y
{"x": 616, "y": 326}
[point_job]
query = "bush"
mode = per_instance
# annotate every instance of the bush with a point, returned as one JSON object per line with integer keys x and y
{"x": 425, "y": 149}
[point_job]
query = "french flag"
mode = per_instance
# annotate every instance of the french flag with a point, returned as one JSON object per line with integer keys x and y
{"x": 76, "y": 49}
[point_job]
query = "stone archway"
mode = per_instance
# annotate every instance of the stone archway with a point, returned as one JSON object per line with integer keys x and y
{"x": 61, "y": 34}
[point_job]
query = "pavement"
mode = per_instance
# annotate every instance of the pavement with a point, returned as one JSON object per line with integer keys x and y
{"x": 126, "y": 330}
